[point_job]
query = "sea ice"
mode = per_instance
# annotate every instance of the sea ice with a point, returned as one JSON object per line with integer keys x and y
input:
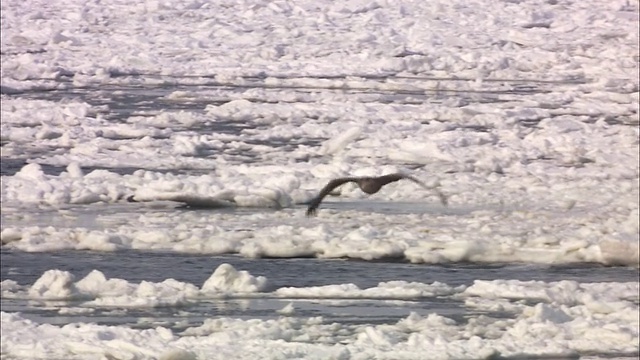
{"x": 524, "y": 113}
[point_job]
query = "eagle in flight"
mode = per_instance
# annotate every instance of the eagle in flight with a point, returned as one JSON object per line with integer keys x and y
{"x": 368, "y": 184}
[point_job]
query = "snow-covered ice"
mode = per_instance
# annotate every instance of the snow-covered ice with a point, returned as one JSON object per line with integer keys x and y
{"x": 523, "y": 113}
{"x": 575, "y": 314}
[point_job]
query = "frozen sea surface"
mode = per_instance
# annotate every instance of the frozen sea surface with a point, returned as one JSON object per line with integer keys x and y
{"x": 221, "y": 120}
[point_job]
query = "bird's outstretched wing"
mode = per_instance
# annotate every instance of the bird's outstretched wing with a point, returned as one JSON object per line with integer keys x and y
{"x": 326, "y": 190}
{"x": 386, "y": 179}
{"x": 395, "y": 177}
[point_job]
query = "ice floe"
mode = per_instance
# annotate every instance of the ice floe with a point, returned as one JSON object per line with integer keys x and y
{"x": 567, "y": 319}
